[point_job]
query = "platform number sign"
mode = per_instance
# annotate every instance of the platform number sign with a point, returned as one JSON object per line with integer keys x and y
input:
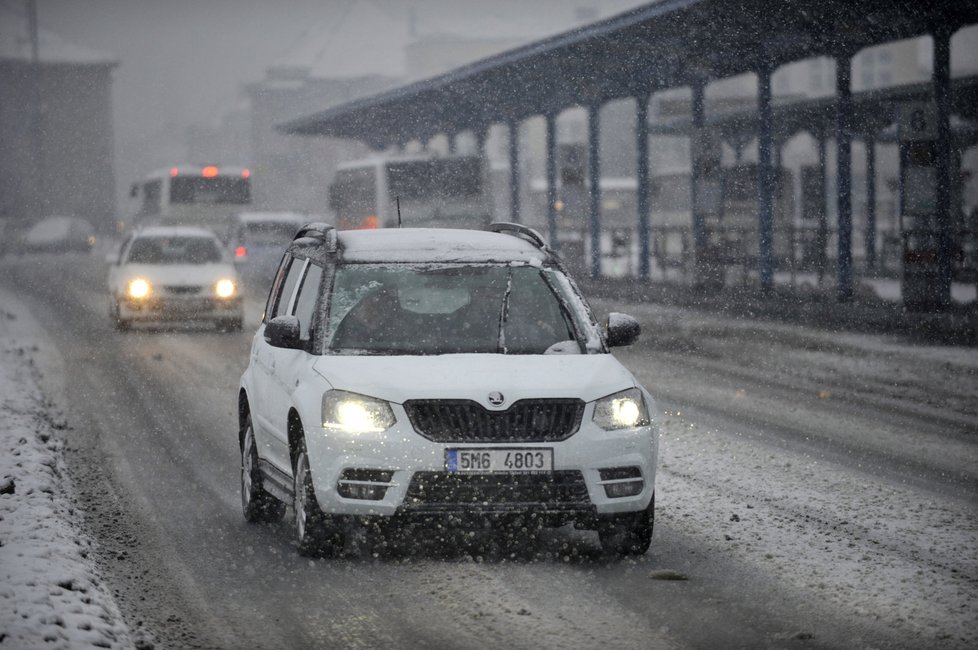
{"x": 918, "y": 121}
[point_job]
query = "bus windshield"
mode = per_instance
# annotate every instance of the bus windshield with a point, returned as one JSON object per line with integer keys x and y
{"x": 216, "y": 189}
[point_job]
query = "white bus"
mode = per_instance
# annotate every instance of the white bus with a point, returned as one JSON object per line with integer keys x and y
{"x": 433, "y": 192}
{"x": 198, "y": 195}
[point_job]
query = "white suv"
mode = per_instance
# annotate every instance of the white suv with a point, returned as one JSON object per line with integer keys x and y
{"x": 454, "y": 376}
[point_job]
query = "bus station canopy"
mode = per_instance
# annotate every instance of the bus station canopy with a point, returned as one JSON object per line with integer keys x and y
{"x": 873, "y": 113}
{"x": 663, "y": 45}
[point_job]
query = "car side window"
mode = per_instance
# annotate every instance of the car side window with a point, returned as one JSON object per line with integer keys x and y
{"x": 305, "y": 302}
{"x": 283, "y": 296}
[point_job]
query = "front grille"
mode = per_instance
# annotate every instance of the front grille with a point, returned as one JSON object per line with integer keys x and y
{"x": 182, "y": 290}
{"x": 562, "y": 490}
{"x": 528, "y": 420}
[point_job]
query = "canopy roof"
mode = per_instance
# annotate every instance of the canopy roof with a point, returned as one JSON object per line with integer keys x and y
{"x": 663, "y": 45}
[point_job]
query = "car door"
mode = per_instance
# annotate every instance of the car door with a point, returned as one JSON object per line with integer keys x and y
{"x": 291, "y": 366}
{"x": 264, "y": 357}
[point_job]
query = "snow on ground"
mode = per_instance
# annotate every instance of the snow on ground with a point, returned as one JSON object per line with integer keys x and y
{"x": 51, "y": 594}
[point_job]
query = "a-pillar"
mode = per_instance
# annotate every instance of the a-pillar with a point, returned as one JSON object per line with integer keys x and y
{"x": 594, "y": 186}
{"x": 765, "y": 181}
{"x": 843, "y": 141}
{"x": 942, "y": 99}
{"x": 551, "y": 122}
{"x": 514, "y": 171}
{"x": 642, "y": 173}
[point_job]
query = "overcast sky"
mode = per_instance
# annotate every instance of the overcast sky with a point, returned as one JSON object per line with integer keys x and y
{"x": 183, "y": 62}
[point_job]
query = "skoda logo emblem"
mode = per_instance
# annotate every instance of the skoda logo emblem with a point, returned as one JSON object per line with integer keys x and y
{"x": 496, "y": 398}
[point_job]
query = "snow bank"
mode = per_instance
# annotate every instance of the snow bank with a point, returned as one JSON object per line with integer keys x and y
{"x": 51, "y": 595}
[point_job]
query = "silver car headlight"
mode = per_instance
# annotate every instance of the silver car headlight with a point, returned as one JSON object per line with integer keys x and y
{"x": 353, "y": 413}
{"x": 624, "y": 410}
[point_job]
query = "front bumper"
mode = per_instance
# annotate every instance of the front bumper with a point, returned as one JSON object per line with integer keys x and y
{"x": 400, "y": 473}
{"x": 160, "y": 308}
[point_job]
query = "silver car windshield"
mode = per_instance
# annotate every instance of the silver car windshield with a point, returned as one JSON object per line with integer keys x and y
{"x": 425, "y": 310}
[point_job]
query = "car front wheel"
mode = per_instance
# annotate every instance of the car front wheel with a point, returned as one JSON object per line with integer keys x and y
{"x": 257, "y": 505}
{"x": 313, "y": 530}
{"x": 629, "y": 533}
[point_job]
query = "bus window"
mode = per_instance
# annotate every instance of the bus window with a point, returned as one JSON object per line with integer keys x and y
{"x": 152, "y": 193}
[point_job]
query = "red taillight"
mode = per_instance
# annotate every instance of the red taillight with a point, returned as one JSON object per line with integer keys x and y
{"x": 174, "y": 171}
{"x": 246, "y": 173}
{"x": 370, "y": 222}
{"x": 209, "y": 172}
{"x": 240, "y": 251}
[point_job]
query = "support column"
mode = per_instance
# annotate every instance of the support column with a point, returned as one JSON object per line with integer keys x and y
{"x": 594, "y": 188}
{"x": 514, "y": 171}
{"x": 551, "y": 120}
{"x": 642, "y": 174}
{"x": 697, "y": 113}
{"x": 943, "y": 216}
{"x": 765, "y": 181}
{"x": 822, "y": 234}
{"x": 843, "y": 141}
{"x": 870, "y": 202}
{"x": 452, "y": 143}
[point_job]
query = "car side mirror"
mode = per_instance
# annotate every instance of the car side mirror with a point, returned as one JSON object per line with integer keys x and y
{"x": 283, "y": 332}
{"x": 622, "y": 329}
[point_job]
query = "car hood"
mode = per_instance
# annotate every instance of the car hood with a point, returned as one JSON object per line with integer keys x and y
{"x": 201, "y": 275}
{"x": 474, "y": 376}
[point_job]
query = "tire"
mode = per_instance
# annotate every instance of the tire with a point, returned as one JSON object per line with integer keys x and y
{"x": 257, "y": 505}
{"x": 229, "y": 324}
{"x": 118, "y": 322}
{"x": 314, "y": 532}
{"x": 629, "y": 533}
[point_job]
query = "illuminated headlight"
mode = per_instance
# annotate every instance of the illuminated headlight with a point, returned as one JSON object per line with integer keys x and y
{"x": 623, "y": 410}
{"x": 139, "y": 289}
{"x": 224, "y": 288}
{"x": 353, "y": 413}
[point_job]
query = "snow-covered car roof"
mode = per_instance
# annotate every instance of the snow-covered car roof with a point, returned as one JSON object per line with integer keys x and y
{"x": 176, "y": 231}
{"x": 436, "y": 245}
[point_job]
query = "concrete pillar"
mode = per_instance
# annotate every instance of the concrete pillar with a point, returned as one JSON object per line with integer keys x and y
{"x": 642, "y": 174}
{"x": 514, "y": 171}
{"x": 551, "y": 121}
{"x": 765, "y": 181}
{"x": 594, "y": 189}
{"x": 843, "y": 141}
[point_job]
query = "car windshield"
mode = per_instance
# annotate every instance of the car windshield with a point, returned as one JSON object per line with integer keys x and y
{"x": 411, "y": 309}
{"x": 276, "y": 233}
{"x": 174, "y": 250}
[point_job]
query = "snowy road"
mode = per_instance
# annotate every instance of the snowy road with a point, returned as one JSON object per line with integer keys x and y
{"x": 816, "y": 491}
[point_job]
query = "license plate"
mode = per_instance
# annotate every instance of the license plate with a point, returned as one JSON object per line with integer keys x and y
{"x": 499, "y": 460}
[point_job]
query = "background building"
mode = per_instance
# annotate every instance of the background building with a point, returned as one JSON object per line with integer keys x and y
{"x": 55, "y": 128}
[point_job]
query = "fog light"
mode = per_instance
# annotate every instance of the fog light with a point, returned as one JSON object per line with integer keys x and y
{"x": 623, "y": 489}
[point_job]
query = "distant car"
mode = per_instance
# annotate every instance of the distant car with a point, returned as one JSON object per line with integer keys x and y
{"x": 174, "y": 273}
{"x": 258, "y": 239}
{"x": 59, "y": 234}
{"x": 454, "y": 376}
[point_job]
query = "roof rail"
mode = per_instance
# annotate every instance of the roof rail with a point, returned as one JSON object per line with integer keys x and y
{"x": 521, "y": 231}
{"x": 319, "y": 231}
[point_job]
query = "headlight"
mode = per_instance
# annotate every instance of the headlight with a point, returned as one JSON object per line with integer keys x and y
{"x": 139, "y": 289}
{"x": 224, "y": 288}
{"x": 353, "y": 413}
{"x": 623, "y": 410}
